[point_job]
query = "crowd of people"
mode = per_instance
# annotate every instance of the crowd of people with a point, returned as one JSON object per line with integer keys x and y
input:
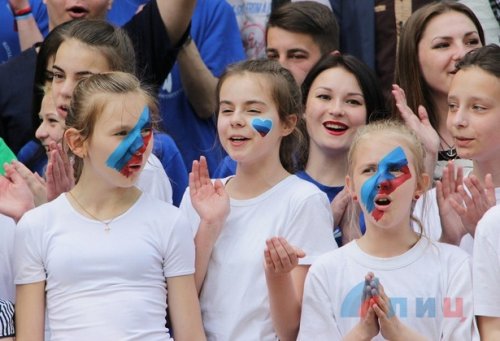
{"x": 250, "y": 170}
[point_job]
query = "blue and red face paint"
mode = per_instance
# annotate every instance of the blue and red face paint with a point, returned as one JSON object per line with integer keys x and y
{"x": 384, "y": 182}
{"x": 130, "y": 151}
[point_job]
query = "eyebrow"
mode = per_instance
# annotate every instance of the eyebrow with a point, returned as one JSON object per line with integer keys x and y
{"x": 348, "y": 94}
{"x": 79, "y": 73}
{"x": 448, "y": 37}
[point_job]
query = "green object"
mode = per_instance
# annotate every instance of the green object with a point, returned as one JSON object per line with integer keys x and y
{"x": 6, "y": 155}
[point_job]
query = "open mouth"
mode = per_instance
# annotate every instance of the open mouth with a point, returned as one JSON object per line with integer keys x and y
{"x": 62, "y": 110}
{"x": 77, "y": 11}
{"x": 382, "y": 201}
{"x": 335, "y": 127}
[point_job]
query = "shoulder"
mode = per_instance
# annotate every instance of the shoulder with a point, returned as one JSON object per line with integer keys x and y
{"x": 300, "y": 189}
{"x": 487, "y": 227}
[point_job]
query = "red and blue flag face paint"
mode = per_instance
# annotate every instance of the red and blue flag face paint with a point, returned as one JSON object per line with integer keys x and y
{"x": 263, "y": 126}
{"x": 131, "y": 149}
{"x": 384, "y": 182}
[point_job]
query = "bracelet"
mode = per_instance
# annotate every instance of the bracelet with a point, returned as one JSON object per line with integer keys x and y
{"x": 23, "y": 17}
{"x": 22, "y": 12}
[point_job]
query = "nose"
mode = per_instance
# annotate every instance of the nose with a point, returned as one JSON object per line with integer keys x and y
{"x": 66, "y": 88}
{"x": 337, "y": 108}
{"x": 458, "y": 118}
{"x": 41, "y": 132}
{"x": 460, "y": 51}
{"x": 384, "y": 186}
{"x": 237, "y": 119}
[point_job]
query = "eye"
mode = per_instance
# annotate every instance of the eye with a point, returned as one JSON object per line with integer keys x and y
{"x": 121, "y": 133}
{"x": 478, "y": 108}
{"x": 57, "y": 76}
{"x": 254, "y": 111}
{"x": 272, "y": 55}
{"x": 324, "y": 97}
{"x": 368, "y": 170}
{"x": 395, "y": 169}
{"x": 472, "y": 42}
{"x": 441, "y": 45}
{"x": 53, "y": 121}
{"x": 354, "y": 102}
{"x": 452, "y": 107}
{"x": 298, "y": 55}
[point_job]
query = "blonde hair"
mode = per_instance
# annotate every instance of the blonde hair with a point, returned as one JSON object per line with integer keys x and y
{"x": 411, "y": 142}
{"x": 91, "y": 96}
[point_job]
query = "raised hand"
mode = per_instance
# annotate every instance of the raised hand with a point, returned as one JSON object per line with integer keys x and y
{"x": 420, "y": 125}
{"x": 344, "y": 209}
{"x": 15, "y": 195}
{"x": 476, "y": 204}
{"x": 59, "y": 174}
{"x": 34, "y": 181}
{"x": 280, "y": 257}
{"x": 210, "y": 200}
{"x": 447, "y": 191}
{"x": 390, "y": 326}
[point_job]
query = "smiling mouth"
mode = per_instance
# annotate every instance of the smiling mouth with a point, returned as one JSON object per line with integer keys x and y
{"x": 335, "y": 127}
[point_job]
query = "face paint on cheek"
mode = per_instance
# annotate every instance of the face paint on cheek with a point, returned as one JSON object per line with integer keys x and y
{"x": 384, "y": 182}
{"x": 263, "y": 126}
{"x": 128, "y": 155}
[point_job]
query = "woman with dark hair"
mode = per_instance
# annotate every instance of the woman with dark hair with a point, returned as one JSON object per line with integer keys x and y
{"x": 432, "y": 41}
{"x": 340, "y": 94}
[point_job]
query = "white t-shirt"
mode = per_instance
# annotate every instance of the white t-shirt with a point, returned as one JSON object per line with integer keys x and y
{"x": 104, "y": 285}
{"x": 154, "y": 181}
{"x": 419, "y": 282}
{"x": 427, "y": 211}
{"x": 234, "y": 299}
{"x": 486, "y": 264}
{"x": 7, "y": 231}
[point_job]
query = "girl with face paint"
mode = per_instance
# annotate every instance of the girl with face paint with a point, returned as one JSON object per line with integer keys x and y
{"x": 263, "y": 209}
{"x": 392, "y": 283}
{"x": 105, "y": 251}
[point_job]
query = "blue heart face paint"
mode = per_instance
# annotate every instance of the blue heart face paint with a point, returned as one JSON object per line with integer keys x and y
{"x": 263, "y": 126}
{"x": 129, "y": 151}
{"x": 384, "y": 181}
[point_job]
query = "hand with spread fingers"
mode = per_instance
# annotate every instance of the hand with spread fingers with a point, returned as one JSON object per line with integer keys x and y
{"x": 471, "y": 207}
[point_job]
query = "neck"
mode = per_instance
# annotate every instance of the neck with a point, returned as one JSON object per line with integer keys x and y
{"x": 481, "y": 168}
{"x": 390, "y": 242}
{"x": 329, "y": 170}
{"x": 441, "y": 102}
{"x": 104, "y": 202}
{"x": 252, "y": 180}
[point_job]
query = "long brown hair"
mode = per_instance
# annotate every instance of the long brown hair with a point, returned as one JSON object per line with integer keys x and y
{"x": 408, "y": 74}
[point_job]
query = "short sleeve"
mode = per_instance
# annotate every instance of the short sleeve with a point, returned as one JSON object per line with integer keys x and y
{"x": 28, "y": 250}
{"x": 317, "y": 320}
{"x": 311, "y": 227}
{"x": 486, "y": 265}
{"x": 179, "y": 254}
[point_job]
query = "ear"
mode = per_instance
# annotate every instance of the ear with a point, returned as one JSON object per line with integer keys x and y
{"x": 350, "y": 188}
{"x": 290, "y": 124}
{"x": 75, "y": 142}
{"x": 423, "y": 184}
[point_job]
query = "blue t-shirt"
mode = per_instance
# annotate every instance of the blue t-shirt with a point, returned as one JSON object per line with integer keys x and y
{"x": 123, "y": 10}
{"x": 215, "y": 32}
{"x": 9, "y": 40}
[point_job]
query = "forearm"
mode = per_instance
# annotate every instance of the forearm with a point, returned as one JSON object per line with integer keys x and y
{"x": 197, "y": 80}
{"x": 489, "y": 328}
{"x": 204, "y": 244}
{"x": 27, "y": 28}
{"x": 176, "y": 15}
{"x": 285, "y": 305}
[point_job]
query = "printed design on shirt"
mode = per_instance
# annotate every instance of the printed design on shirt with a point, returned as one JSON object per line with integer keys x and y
{"x": 383, "y": 183}
{"x": 129, "y": 152}
{"x": 263, "y": 126}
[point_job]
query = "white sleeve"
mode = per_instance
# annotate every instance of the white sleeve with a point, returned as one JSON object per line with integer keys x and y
{"x": 317, "y": 321}
{"x": 189, "y": 212}
{"x": 486, "y": 266}
{"x": 28, "y": 250}
{"x": 179, "y": 254}
{"x": 311, "y": 227}
{"x": 154, "y": 181}
{"x": 458, "y": 319}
